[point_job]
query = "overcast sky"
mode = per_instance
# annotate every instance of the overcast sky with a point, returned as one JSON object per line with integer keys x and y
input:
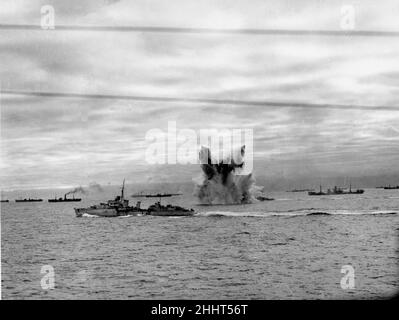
{"x": 55, "y": 142}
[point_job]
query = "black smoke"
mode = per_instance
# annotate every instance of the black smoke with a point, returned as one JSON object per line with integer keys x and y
{"x": 76, "y": 190}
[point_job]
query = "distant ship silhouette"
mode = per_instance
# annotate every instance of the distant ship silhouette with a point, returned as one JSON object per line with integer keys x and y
{"x": 65, "y": 199}
{"x": 335, "y": 191}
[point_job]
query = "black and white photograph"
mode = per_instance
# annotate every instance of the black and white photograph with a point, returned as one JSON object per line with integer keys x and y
{"x": 191, "y": 150}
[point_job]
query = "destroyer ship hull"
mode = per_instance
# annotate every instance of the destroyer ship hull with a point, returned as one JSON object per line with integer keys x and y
{"x": 116, "y": 213}
{"x": 166, "y": 213}
{"x": 96, "y": 212}
{"x": 120, "y": 207}
{"x": 108, "y": 212}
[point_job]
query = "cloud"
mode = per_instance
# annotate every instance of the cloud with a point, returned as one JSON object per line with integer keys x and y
{"x": 62, "y": 141}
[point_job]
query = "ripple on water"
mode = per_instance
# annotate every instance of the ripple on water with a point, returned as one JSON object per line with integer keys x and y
{"x": 282, "y": 249}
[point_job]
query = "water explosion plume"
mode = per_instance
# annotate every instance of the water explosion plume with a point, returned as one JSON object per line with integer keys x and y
{"x": 220, "y": 182}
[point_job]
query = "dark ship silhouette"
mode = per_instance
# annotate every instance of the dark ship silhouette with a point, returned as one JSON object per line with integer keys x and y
{"x": 169, "y": 210}
{"x": 65, "y": 199}
{"x": 335, "y": 191}
{"x": 391, "y": 187}
{"x": 157, "y": 209}
{"x": 28, "y": 200}
{"x": 263, "y": 198}
{"x": 300, "y": 190}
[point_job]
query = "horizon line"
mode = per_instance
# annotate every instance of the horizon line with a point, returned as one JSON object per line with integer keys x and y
{"x": 205, "y": 30}
{"x": 253, "y": 103}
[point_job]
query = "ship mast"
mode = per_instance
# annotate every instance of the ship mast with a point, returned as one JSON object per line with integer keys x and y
{"x": 123, "y": 190}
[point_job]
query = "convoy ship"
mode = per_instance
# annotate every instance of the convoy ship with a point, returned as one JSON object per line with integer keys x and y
{"x": 65, "y": 199}
{"x": 335, "y": 191}
{"x": 169, "y": 210}
{"x": 300, "y": 190}
{"x": 120, "y": 207}
{"x": 391, "y": 187}
{"x": 158, "y": 209}
{"x": 113, "y": 208}
{"x": 263, "y": 198}
{"x": 28, "y": 200}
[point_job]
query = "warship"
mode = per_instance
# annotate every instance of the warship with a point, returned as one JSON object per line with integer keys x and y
{"x": 113, "y": 208}
{"x": 28, "y": 200}
{"x": 65, "y": 199}
{"x": 263, "y": 198}
{"x": 335, "y": 191}
{"x": 157, "y": 209}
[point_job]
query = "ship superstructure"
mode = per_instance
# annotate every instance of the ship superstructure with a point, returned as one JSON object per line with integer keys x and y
{"x": 113, "y": 208}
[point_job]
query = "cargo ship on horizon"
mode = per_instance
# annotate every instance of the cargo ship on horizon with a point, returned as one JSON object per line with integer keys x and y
{"x": 335, "y": 191}
{"x": 65, "y": 199}
{"x": 391, "y": 187}
{"x": 28, "y": 200}
{"x": 300, "y": 190}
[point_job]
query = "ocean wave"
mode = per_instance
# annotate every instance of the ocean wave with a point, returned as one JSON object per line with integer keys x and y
{"x": 230, "y": 214}
{"x": 86, "y": 215}
{"x": 362, "y": 212}
{"x": 293, "y": 213}
{"x": 288, "y": 213}
{"x": 385, "y": 212}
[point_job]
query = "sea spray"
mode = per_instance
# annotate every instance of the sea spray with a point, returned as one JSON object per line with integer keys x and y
{"x": 223, "y": 180}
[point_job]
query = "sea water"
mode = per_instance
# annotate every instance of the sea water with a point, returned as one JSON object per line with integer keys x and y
{"x": 295, "y": 247}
